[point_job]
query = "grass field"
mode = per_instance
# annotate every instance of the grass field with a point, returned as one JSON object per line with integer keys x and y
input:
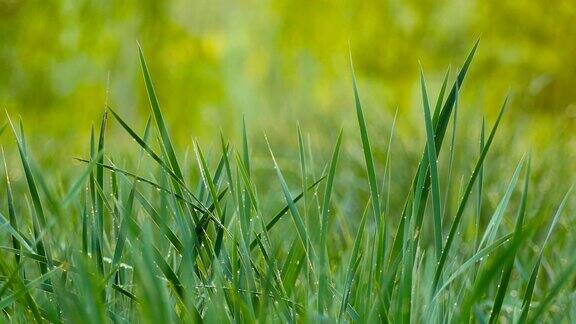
{"x": 330, "y": 224}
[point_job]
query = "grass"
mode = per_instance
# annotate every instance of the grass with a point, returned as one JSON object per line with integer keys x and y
{"x": 230, "y": 238}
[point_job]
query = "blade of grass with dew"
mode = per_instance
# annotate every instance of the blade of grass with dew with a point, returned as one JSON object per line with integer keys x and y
{"x": 440, "y": 127}
{"x": 354, "y": 261}
{"x": 158, "y": 116}
{"x": 99, "y": 183}
{"x": 369, "y": 160}
{"x": 527, "y": 300}
{"x": 505, "y": 279}
{"x": 42, "y": 247}
{"x": 464, "y": 200}
{"x": 433, "y": 159}
{"x": 284, "y": 210}
{"x": 13, "y": 228}
{"x": 179, "y": 183}
{"x": 451, "y": 157}
{"x": 126, "y": 212}
{"x": 480, "y": 191}
{"x": 324, "y": 266}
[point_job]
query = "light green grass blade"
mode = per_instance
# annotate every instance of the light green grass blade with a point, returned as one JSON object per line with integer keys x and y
{"x": 527, "y": 300}
{"x": 158, "y": 116}
{"x": 440, "y": 99}
{"x": 353, "y": 264}
{"x": 464, "y": 200}
{"x": 505, "y": 279}
{"x": 439, "y": 132}
{"x": 42, "y": 247}
{"x": 78, "y": 184}
{"x": 479, "y": 192}
{"x": 323, "y": 296}
{"x": 301, "y": 229}
{"x": 433, "y": 159}
{"x": 284, "y": 210}
{"x": 496, "y": 218}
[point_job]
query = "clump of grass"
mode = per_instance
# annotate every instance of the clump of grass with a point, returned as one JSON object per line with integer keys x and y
{"x": 167, "y": 241}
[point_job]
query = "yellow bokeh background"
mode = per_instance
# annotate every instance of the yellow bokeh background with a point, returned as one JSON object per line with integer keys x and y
{"x": 278, "y": 62}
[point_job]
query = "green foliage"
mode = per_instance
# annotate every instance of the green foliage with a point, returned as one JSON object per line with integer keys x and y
{"x": 149, "y": 236}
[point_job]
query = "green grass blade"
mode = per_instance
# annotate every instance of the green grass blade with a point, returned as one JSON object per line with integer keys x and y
{"x": 42, "y": 246}
{"x": 527, "y": 300}
{"x": 322, "y": 289}
{"x": 496, "y": 218}
{"x": 369, "y": 159}
{"x": 505, "y": 279}
{"x": 464, "y": 200}
{"x": 158, "y": 116}
{"x": 78, "y": 184}
{"x": 352, "y": 265}
{"x": 301, "y": 229}
{"x": 433, "y": 159}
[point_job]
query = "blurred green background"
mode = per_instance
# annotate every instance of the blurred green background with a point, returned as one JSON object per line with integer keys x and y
{"x": 278, "y": 62}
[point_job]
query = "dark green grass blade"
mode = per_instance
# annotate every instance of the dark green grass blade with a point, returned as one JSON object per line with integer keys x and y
{"x": 99, "y": 207}
{"x": 352, "y": 265}
{"x": 464, "y": 200}
{"x": 527, "y": 300}
{"x": 158, "y": 117}
{"x": 440, "y": 99}
{"x": 160, "y": 222}
{"x": 375, "y": 198}
{"x": 126, "y": 213}
{"x": 12, "y": 212}
{"x": 207, "y": 177}
{"x": 505, "y": 279}
{"x": 433, "y": 159}
{"x": 479, "y": 192}
{"x": 179, "y": 182}
{"x": 42, "y": 248}
{"x": 369, "y": 160}
{"x": 322, "y": 289}
{"x": 3, "y": 128}
{"x": 440, "y": 127}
